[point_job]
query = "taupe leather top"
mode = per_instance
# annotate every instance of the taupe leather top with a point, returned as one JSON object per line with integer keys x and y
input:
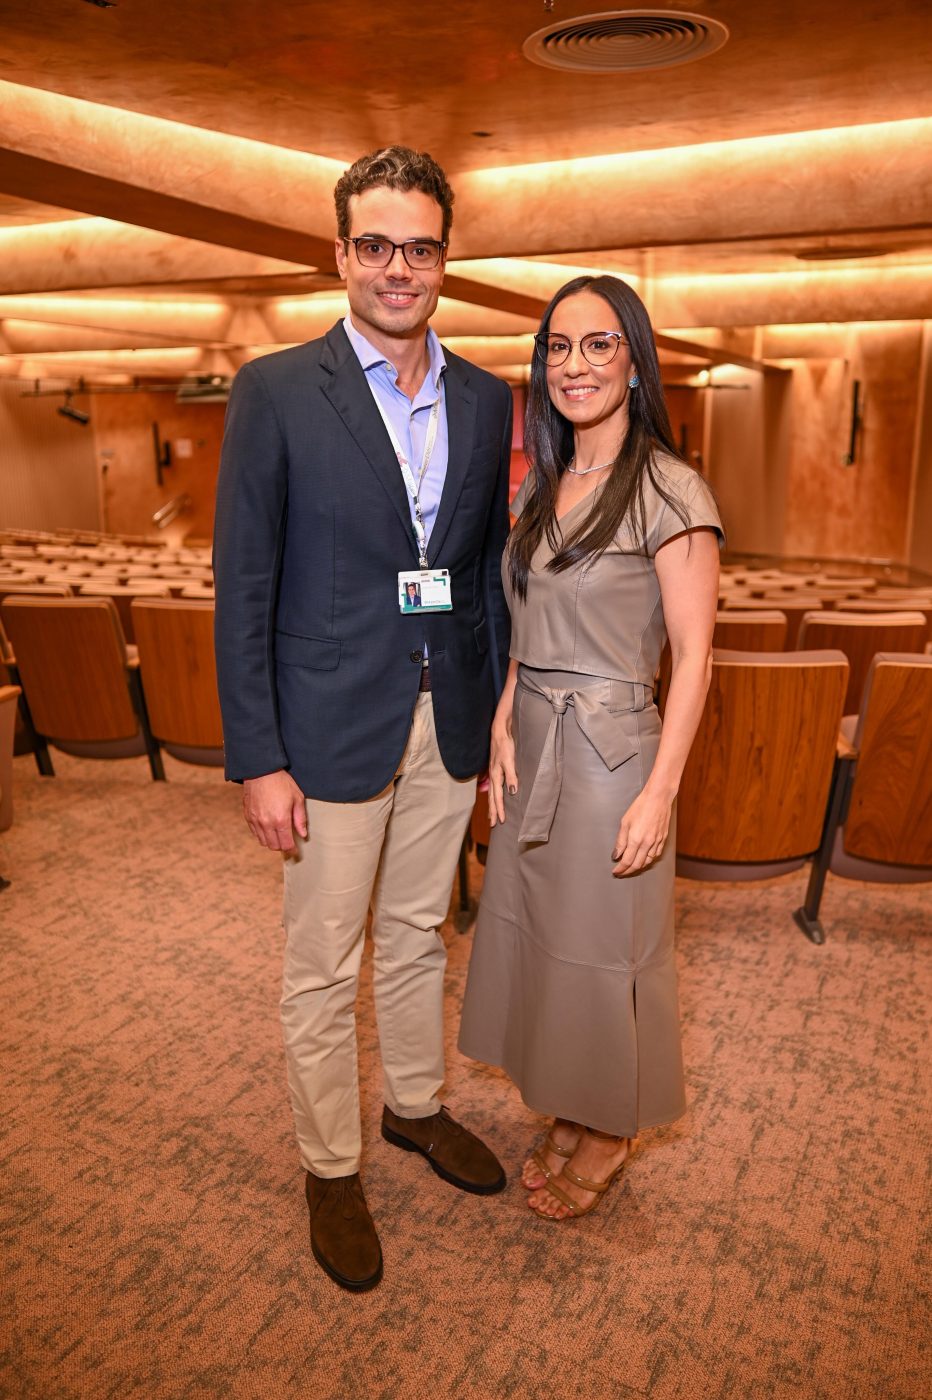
{"x": 604, "y": 617}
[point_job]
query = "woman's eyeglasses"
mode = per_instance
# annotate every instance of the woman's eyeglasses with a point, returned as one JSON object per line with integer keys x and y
{"x": 598, "y": 347}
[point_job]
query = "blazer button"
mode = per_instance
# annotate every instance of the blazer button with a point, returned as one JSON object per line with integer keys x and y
{"x": 417, "y": 656}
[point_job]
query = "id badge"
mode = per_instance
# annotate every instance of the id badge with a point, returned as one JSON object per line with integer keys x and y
{"x": 424, "y": 591}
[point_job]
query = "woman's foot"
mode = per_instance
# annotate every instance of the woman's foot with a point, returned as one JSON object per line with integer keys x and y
{"x": 597, "y": 1161}
{"x": 546, "y": 1161}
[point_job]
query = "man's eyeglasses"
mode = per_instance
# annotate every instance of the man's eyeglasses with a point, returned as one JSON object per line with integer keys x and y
{"x": 598, "y": 347}
{"x": 422, "y": 254}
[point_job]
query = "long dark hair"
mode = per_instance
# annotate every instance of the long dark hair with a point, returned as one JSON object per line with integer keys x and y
{"x": 548, "y": 446}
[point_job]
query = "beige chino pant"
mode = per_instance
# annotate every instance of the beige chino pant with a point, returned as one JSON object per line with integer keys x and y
{"x": 396, "y": 851}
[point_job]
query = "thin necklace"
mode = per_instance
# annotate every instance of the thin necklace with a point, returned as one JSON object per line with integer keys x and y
{"x": 584, "y": 471}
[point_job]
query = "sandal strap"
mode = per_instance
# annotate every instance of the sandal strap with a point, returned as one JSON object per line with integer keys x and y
{"x": 572, "y": 1206}
{"x": 556, "y": 1149}
{"x": 606, "y": 1137}
{"x": 583, "y": 1184}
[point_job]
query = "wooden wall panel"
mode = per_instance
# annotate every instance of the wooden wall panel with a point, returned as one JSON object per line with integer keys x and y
{"x": 920, "y": 546}
{"x": 48, "y": 474}
{"x": 123, "y": 428}
{"x": 860, "y": 511}
{"x": 747, "y": 456}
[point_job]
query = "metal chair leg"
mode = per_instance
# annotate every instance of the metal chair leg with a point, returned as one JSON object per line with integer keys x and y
{"x": 156, "y": 767}
{"x": 806, "y": 916}
{"x": 40, "y": 748}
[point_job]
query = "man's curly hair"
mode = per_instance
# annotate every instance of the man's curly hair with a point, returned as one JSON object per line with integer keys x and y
{"x": 397, "y": 168}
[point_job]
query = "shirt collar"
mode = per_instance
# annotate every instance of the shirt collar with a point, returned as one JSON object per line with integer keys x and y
{"x": 369, "y": 357}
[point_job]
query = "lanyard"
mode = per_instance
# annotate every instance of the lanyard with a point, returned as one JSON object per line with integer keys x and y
{"x": 414, "y": 487}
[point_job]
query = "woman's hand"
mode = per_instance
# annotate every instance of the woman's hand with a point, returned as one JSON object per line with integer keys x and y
{"x": 502, "y": 769}
{"x": 643, "y": 832}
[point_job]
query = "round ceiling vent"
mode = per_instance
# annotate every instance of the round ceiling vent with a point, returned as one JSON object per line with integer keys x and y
{"x": 625, "y": 41}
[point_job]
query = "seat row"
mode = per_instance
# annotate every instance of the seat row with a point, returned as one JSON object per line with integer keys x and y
{"x": 88, "y": 692}
{"x": 859, "y": 635}
{"x": 779, "y": 775}
{"x": 781, "y": 771}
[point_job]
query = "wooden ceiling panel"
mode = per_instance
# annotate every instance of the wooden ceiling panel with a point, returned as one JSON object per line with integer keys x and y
{"x": 340, "y": 80}
{"x": 658, "y": 176}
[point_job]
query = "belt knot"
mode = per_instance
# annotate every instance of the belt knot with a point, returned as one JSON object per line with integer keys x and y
{"x": 604, "y": 730}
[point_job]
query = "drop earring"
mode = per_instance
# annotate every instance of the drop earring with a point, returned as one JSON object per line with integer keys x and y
{"x": 633, "y": 382}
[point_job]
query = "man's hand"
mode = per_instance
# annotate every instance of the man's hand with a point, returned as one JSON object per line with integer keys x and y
{"x": 273, "y": 806}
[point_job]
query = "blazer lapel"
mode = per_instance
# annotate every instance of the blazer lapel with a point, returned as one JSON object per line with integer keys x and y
{"x": 348, "y": 390}
{"x": 461, "y": 426}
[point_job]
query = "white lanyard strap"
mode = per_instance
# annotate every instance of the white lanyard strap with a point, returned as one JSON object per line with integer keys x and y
{"x": 414, "y": 487}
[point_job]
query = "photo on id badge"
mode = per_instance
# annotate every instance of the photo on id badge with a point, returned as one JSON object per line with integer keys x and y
{"x": 424, "y": 590}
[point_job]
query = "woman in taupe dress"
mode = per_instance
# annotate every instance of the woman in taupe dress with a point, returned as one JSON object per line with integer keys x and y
{"x": 572, "y": 984}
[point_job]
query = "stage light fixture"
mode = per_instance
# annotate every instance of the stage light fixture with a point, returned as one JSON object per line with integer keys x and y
{"x": 77, "y": 415}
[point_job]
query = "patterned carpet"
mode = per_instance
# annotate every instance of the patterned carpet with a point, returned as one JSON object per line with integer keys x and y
{"x": 772, "y": 1244}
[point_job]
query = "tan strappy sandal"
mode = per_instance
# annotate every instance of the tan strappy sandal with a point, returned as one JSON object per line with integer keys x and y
{"x": 537, "y": 1157}
{"x": 576, "y": 1211}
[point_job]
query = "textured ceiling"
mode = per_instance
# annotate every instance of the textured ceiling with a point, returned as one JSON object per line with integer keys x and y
{"x": 338, "y": 79}
{"x": 156, "y": 215}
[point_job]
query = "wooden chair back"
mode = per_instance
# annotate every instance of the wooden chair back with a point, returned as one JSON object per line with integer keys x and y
{"x": 793, "y": 607}
{"x": 35, "y": 590}
{"x": 861, "y": 636}
{"x": 890, "y": 811}
{"x": 885, "y": 607}
{"x": 895, "y": 592}
{"x": 122, "y": 597}
{"x": 179, "y": 673}
{"x": 72, "y": 663}
{"x": 757, "y": 778}
{"x": 758, "y": 629}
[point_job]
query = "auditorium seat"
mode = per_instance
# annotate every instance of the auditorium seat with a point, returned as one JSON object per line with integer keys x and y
{"x": 860, "y": 636}
{"x": 895, "y": 592}
{"x": 754, "y": 791}
{"x": 879, "y": 826}
{"x": 855, "y": 583}
{"x": 123, "y": 595}
{"x": 175, "y": 638}
{"x": 887, "y": 606}
{"x": 793, "y": 607}
{"x": 755, "y": 630}
{"x": 37, "y": 590}
{"x": 81, "y": 687}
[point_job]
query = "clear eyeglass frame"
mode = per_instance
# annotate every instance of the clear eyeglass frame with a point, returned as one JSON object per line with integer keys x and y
{"x": 431, "y": 247}
{"x": 555, "y": 350}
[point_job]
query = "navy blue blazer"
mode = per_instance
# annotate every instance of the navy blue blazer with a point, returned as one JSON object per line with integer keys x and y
{"x": 318, "y": 669}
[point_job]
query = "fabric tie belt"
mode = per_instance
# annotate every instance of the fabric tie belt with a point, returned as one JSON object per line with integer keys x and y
{"x": 598, "y": 709}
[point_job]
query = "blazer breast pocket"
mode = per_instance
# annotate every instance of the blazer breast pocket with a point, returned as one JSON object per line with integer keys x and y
{"x": 317, "y": 653}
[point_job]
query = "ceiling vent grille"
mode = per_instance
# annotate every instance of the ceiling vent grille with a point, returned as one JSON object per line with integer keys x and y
{"x": 625, "y": 41}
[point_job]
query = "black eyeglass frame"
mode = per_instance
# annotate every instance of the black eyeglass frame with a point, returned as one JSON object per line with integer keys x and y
{"x": 408, "y": 243}
{"x": 542, "y": 347}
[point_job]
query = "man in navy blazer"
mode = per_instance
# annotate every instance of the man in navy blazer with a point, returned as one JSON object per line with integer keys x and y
{"x": 356, "y": 726}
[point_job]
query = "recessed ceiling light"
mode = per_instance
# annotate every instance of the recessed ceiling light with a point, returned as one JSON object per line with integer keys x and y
{"x": 839, "y": 254}
{"x": 625, "y": 41}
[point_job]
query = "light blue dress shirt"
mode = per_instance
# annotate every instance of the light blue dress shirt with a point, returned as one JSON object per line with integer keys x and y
{"x": 409, "y": 419}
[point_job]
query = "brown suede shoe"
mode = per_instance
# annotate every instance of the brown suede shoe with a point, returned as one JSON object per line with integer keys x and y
{"x": 453, "y": 1151}
{"x": 343, "y": 1237}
